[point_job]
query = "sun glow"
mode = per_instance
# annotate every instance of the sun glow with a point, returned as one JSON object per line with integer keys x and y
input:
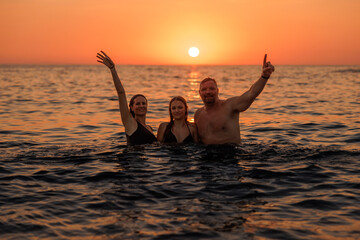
{"x": 194, "y": 51}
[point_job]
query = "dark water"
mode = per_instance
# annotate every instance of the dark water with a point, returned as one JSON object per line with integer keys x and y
{"x": 66, "y": 173}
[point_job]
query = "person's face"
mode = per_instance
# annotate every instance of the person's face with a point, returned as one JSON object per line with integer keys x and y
{"x": 140, "y": 106}
{"x": 178, "y": 109}
{"x": 209, "y": 92}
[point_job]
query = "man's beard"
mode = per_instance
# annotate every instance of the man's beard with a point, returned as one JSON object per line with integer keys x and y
{"x": 209, "y": 99}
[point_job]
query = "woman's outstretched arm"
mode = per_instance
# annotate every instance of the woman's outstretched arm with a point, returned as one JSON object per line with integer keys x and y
{"x": 126, "y": 117}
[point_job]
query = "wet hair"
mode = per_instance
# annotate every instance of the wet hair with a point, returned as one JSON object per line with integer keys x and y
{"x": 132, "y": 101}
{"x": 181, "y": 99}
{"x": 208, "y": 79}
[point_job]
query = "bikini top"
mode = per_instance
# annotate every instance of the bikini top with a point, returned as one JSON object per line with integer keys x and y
{"x": 141, "y": 136}
{"x": 169, "y": 137}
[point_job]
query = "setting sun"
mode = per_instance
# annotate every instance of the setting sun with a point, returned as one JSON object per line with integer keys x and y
{"x": 159, "y": 34}
{"x": 194, "y": 52}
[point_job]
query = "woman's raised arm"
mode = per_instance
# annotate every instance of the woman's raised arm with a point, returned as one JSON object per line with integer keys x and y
{"x": 126, "y": 117}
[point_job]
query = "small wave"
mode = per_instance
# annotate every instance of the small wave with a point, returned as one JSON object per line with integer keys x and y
{"x": 16, "y": 177}
{"x": 332, "y": 153}
{"x": 349, "y": 70}
{"x": 89, "y": 127}
{"x": 9, "y": 132}
{"x": 333, "y": 221}
{"x": 105, "y": 176}
{"x": 269, "y": 233}
{"x": 353, "y": 139}
{"x": 7, "y": 228}
{"x": 267, "y": 129}
{"x": 10, "y": 144}
{"x": 266, "y": 174}
{"x": 334, "y": 126}
{"x": 307, "y": 125}
{"x": 318, "y": 204}
{"x": 58, "y": 129}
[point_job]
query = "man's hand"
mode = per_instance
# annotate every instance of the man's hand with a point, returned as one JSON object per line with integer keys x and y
{"x": 268, "y": 69}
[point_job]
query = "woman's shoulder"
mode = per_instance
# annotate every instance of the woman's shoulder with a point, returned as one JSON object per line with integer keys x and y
{"x": 150, "y": 127}
{"x": 163, "y": 124}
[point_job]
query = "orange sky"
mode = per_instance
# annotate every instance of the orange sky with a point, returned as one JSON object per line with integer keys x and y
{"x": 162, "y": 31}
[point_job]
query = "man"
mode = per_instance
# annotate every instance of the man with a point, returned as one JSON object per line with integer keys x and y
{"x": 218, "y": 120}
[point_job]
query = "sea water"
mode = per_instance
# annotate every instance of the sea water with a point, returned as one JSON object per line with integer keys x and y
{"x": 66, "y": 172}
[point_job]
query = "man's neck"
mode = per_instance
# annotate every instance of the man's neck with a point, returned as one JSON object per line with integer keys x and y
{"x": 212, "y": 105}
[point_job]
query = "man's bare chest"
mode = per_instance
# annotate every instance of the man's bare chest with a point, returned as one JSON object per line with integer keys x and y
{"x": 213, "y": 121}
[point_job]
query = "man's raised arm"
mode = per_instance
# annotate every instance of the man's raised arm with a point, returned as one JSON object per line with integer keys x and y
{"x": 244, "y": 101}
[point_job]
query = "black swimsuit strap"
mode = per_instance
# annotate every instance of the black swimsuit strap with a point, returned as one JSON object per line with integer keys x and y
{"x": 142, "y": 135}
{"x": 169, "y": 136}
{"x": 187, "y": 124}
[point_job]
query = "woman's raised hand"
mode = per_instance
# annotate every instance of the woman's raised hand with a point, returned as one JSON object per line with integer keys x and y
{"x": 105, "y": 59}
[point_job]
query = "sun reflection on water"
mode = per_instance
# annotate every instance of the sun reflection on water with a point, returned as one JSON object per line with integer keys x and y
{"x": 193, "y": 82}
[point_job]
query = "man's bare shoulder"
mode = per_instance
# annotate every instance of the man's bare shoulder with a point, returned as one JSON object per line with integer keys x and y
{"x": 233, "y": 103}
{"x": 231, "y": 100}
{"x": 197, "y": 112}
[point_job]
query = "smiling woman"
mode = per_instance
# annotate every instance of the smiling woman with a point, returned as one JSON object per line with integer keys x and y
{"x": 179, "y": 129}
{"x": 194, "y": 51}
{"x": 134, "y": 116}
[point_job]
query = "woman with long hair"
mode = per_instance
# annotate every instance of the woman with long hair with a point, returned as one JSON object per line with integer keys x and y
{"x": 179, "y": 129}
{"x": 134, "y": 116}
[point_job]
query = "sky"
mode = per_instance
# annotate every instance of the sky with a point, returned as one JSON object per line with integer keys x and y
{"x": 160, "y": 32}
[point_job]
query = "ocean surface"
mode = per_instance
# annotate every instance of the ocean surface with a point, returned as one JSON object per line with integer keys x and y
{"x": 66, "y": 172}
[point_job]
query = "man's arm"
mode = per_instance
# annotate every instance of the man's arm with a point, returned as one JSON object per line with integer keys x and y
{"x": 196, "y": 115}
{"x": 243, "y": 102}
{"x": 196, "y": 119}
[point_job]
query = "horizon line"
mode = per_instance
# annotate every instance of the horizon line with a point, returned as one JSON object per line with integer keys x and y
{"x": 190, "y": 65}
